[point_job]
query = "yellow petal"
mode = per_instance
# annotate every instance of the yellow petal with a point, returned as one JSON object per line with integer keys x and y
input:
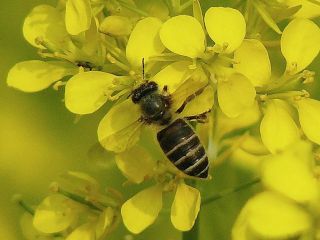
{"x": 33, "y": 76}
{"x": 173, "y": 75}
{"x": 105, "y": 221}
{"x": 278, "y": 130}
{"x": 146, "y": 32}
{"x": 183, "y": 35}
{"x": 130, "y": 162}
{"x": 247, "y": 118}
{"x": 54, "y": 214}
{"x": 84, "y": 232}
{"x": 240, "y": 227}
{"x": 28, "y": 230}
{"x": 86, "y": 92}
{"x": 308, "y": 9}
{"x": 254, "y": 145}
{"x": 119, "y": 130}
{"x": 300, "y": 44}
{"x": 309, "y": 116}
{"x": 78, "y": 16}
{"x": 44, "y": 22}
{"x": 290, "y": 173}
{"x": 116, "y": 26}
{"x": 185, "y": 207}
{"x": 235, "y": 94}
{"x": 225, "y": 26}
{"x": 253, "y": 62}
{"x": 141, "y": 210}
{"x": 246, "y": 160}
{"x": 272, "y": 216}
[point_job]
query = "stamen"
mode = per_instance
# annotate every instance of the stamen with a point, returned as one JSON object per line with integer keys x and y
{"x": 58, "y": 84}
{"x": 295, "y": 95}
{"x": 117, "y": 63}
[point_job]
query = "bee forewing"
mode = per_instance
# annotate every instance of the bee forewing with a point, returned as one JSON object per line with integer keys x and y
{"x": 120, "y": 127}
{"x": 123, "y": 139}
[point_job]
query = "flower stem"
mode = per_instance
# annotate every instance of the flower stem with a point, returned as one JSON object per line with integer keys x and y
{"x": 26, "y": 207}
{"x": 229, "y": 191}
{"x": 78, "y": 199}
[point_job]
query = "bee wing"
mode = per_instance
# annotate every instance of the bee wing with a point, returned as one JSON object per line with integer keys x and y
{"x": 200, "y": 103}
{"x": 120, "y": 128}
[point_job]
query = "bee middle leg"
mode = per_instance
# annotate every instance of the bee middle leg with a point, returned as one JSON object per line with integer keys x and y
{"x": 190, "y": 98}
{"x": 201, "y": 118}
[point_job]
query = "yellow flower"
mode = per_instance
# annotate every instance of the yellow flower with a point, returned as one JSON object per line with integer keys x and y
{"x": 45, "y": 29}
{"x": 76, "y": 210}
{"x": 184, "y": 35}
{"x": 287, "y": 208}
{"x": 279, "y": 127}
{"x": 147, "y": 204}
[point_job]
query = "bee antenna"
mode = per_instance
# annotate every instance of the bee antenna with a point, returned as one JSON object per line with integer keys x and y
{"x": 143, "y": 76}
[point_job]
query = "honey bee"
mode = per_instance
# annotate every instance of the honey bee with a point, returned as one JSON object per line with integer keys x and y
{"x": 176, "y": 137}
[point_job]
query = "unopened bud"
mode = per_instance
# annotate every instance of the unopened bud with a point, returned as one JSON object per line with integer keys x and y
{"x": 116, "y": 26}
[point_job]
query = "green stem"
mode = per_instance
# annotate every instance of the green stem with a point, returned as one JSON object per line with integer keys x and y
{"x": 229, "y": 191}
{"x": 185, "y": 5}
{"x": 26, "y": 207}
{"x": 133, "y": 8}
{"x": 78, "y": 199}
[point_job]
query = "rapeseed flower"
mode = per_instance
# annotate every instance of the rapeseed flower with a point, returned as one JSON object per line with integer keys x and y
{"x": 75, "y": 210}
{"x": 278, "y": 128}
{"x": 289, "y": 205}
{"x": 185, "y": 35}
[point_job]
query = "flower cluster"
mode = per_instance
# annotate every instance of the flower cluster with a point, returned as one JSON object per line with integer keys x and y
{"x": 75, "y": 210}
{"x": 289, "y": 205}
{"x": 101, "y": 51}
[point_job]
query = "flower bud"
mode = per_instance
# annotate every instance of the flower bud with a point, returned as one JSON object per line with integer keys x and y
{"x": 116, "y": 26}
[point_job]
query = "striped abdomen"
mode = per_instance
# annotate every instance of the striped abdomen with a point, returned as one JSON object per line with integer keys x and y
{"x": 184, "y": 149}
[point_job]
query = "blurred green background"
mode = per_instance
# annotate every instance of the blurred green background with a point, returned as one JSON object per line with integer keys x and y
{"x": 39, "y": 140}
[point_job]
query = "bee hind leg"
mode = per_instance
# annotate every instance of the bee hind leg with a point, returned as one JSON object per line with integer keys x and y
{"x": 190, "y": 98}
